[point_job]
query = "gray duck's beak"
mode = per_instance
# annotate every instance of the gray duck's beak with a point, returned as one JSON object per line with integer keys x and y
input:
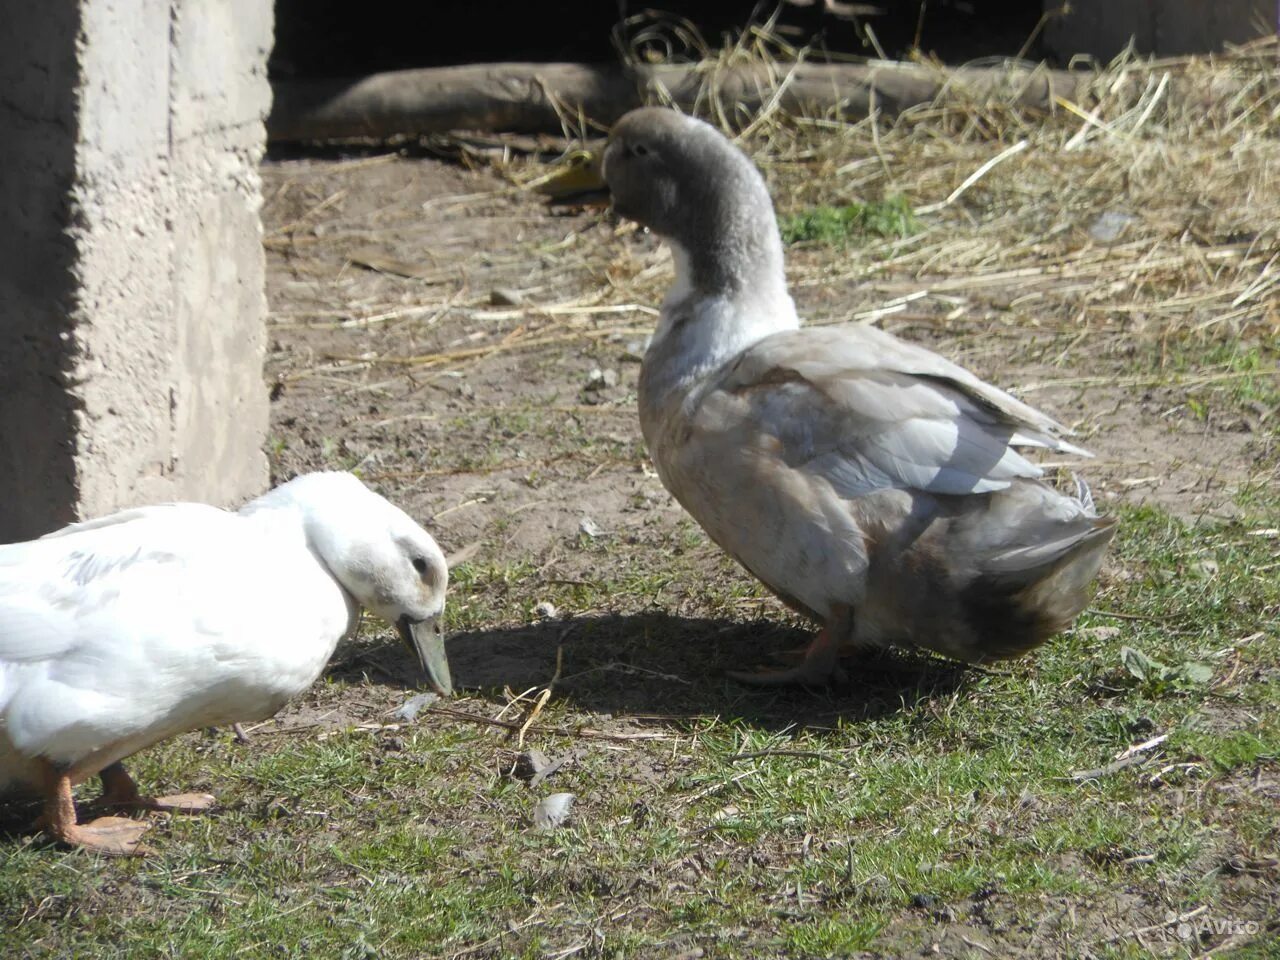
{"x": 425, "y": 640}
{"x": 580, "y": 183}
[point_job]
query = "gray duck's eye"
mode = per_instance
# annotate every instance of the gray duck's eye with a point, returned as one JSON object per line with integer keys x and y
{"x": 638, "y": 150}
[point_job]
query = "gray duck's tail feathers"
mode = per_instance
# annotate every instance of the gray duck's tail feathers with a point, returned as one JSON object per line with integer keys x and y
{"x": 1024, "y": 595}
{"x": 1084, "y": 494}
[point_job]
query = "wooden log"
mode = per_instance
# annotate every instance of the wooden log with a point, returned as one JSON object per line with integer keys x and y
{"x": 531, "y": 97}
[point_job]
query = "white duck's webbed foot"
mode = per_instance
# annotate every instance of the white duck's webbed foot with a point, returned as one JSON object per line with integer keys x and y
{"x": 111, "y": 836}
{"x": 180, "y": 802}
{"x": 820, "y": 665}
{"x": 119, "y": 790}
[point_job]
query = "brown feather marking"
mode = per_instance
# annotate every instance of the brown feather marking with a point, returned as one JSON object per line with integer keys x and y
{"x": 775, "y": 377}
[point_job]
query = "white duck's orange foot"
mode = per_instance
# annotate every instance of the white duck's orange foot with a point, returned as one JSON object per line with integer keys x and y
{"x": 110, "y": 836}
{"x": 119, "y": 790}
{"x": 180, "y": 802}
{"x": 171, "y": 803}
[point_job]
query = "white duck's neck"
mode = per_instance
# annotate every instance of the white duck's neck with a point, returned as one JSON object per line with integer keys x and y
{"x": 298, "y": 509}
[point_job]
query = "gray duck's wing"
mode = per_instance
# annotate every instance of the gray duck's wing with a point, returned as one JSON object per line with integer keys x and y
{"x": 867, "y": 411}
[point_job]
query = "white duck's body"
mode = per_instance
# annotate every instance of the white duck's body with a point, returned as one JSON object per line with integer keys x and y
{"x": 870, "y": 483}
{"x": 120, "y": 632}
{"x": 117, "y": 634}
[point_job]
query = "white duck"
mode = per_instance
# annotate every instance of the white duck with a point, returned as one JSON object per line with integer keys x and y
{"x": 120, "y": 632}
{"x": 871, "y": 484}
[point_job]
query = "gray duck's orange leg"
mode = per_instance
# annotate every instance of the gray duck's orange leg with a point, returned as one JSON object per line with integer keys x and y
{"x": 821, "y": 663}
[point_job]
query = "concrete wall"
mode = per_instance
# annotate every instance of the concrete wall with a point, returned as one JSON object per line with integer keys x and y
{"x": 131, "y": 290}
{"x": 1102, "y": 28}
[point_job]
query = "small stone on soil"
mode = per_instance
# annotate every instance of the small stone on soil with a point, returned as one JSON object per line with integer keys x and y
{"x": 599, "y": 379}
{"x": 1110, "y": 226}
{"x": 530, "y": 763}
{"x": 505, "y": 297}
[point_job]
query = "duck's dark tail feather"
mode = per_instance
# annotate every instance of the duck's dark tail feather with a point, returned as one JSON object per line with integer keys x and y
{"x": 1024, "y": 596}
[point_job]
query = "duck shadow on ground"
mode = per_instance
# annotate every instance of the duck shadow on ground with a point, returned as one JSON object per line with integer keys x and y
{"x": 650, "y": 665}
{"x": 661, "y": 666}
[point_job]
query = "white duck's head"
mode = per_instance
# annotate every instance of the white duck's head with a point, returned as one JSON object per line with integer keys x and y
{"x": 381, "y": 557}
{"x": 689, "y": 184}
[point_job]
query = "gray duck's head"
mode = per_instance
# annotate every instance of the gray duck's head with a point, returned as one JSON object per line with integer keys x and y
{"x": 685, "y": 181}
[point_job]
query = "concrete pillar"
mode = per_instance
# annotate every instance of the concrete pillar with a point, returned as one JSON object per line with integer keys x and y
{"x": 131, "y": 267}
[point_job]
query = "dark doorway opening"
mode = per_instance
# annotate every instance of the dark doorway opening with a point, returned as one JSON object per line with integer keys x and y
{"x": 332, "y": 38}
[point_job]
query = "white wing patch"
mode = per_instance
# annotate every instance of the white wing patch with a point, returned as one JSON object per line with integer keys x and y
{"x": 51, "y": 589}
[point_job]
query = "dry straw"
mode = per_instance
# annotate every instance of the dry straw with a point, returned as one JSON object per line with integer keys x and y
{"x": 1148, "y": 209}
{"x": 1150, "y": 206}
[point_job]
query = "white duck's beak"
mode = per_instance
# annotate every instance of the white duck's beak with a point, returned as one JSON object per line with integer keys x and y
{"x": 425, "y": 640}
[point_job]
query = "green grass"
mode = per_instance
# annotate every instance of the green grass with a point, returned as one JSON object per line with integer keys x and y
{"x": 860, "y": 831}
{"x": 1236, "y": 376}
{"x": 840, "y": 226}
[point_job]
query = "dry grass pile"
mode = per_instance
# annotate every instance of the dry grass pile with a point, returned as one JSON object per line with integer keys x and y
{"x": 1150, "y": 206}
{"x": 1147, "y": 210}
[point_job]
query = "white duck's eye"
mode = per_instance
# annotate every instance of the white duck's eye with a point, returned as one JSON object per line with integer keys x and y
{"x": 420, "y": 564}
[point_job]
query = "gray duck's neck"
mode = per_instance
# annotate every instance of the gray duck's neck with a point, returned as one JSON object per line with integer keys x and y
{"x": 733, "y": 258}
